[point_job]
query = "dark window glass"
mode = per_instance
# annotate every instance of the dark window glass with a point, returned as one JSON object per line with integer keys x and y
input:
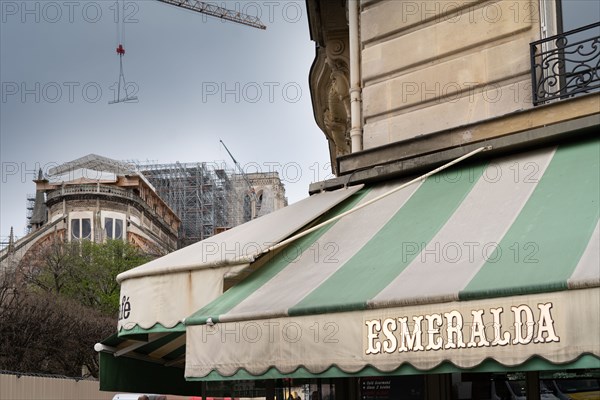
{"x": 118, "y": 229}
{"x": 578, "y": 385}
{"x": 578, "y": 13}
{"x": 75, "y": 232}
{"x": 259, "y": 202}
{"x": 86, "y": 228}
{"x": 108, "y": 227}
{"x": 517, "y": 387}
{"x": 578, "y": 56}
{"x": 247, "y": 208}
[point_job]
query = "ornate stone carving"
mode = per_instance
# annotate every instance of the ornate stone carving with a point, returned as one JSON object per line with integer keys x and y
{"x": 329, "y": 75}
{"x": 336, "y": 116}
{"x": 335, "y": 48}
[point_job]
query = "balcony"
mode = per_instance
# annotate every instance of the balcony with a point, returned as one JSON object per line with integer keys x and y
{"x": 566, "y": 65}
{"x": 89, "y": 189}
{"x": 103, "y": 191}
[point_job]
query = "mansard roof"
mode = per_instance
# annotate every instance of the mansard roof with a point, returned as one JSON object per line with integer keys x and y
{"x": 97, "y": 163}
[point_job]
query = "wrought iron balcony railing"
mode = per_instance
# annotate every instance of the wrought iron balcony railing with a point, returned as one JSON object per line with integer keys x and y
{"x": 566, "y": 65}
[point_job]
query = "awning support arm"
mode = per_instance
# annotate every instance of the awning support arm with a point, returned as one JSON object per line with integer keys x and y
{"x": 249, "y": 259}
{"x": 368, "y": 203}
{"x": 119, "y": 352}
{"x": 99, "y": 347}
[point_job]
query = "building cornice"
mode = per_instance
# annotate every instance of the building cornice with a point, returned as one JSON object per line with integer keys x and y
{"x": 530, "y": 128}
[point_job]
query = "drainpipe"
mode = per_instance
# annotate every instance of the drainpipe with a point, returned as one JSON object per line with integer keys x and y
{"x": 355, "y": 90}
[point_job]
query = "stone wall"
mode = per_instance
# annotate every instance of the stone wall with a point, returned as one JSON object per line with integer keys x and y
{"x": 431, "y": 65}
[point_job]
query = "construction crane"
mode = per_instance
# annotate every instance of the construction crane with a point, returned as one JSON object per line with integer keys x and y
{"x": 241, "y": 172}
{"x": 217, "y": 12}
{"x": 193, "y": 5}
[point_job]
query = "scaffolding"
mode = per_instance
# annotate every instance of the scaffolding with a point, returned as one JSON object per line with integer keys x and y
{"x": 29, "y": 211}
{"x": 208, "y": 197}
{"x": 201, "y": 194}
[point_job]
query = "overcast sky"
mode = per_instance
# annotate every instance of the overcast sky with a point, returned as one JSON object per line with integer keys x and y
{"x": 198, "y": 80}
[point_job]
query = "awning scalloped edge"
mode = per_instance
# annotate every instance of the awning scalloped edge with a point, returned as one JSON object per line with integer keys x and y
{"x": 154, "y": 328}
{"x": 392, "y": 369}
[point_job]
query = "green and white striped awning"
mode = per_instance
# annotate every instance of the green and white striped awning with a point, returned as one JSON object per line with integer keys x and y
{"x": 495, "y": 260}
{"x": 149, "y": 362}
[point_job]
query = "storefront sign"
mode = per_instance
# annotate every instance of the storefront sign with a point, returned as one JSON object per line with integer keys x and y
{"x": 124, "y": 308}
{"x": 392, "y": 388}
{"x": 375, "y": 388}
{"x": 453, "y": 330}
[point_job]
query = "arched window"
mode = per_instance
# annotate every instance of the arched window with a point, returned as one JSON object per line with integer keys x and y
{"x": 81, "y": 229}
{"x": 113, "y": 228}
{"x": 113, "y": 224}
{"x": 259, "y": 201}
{"x": 247, "y": 208}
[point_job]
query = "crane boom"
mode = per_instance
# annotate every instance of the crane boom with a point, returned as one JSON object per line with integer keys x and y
{"x": 241, "y": 171}
{"x": 218, "y": 12}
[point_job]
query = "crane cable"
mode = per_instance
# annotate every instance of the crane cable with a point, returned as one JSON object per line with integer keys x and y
{"x": 122, "y": 83}
{"x": 119, "y": 37}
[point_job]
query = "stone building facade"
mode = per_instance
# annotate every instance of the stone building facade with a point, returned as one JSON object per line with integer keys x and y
{"x": 435, "y": 75}
{"x": 254, "y": 195}
{"x": 96, "y": 198}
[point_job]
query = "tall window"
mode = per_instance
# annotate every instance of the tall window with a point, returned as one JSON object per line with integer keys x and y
{"x": 573, "y": 14}
{"x": 259, "y": 200}
{"x": 579, "y": 49}
{"x": 81, "y": 228}
{"x": 565, "y": 63}
{"x": 247, "y": 208}
{"x": 113, "y": 228}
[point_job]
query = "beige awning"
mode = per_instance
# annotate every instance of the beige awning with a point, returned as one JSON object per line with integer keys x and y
{"x": 495, "y": 260}
{"x": 158, "y": 295}
{"x": 558, "y": 328}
